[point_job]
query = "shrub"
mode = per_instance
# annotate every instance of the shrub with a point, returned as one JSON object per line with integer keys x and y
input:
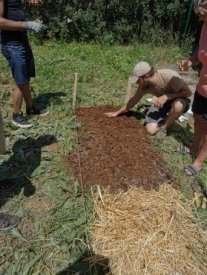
{"x": 115, "y": 21}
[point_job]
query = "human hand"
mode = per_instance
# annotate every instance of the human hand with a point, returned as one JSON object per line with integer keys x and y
{"x": 34, "y": 2}
{"x": 111, "y": 114}
{"x": 160, "y": 101}
{"x": 35, "y": 26}
{"x": 184, "y": 65}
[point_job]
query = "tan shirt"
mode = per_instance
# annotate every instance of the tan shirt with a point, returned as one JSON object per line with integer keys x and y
{"x": 169, "y": 82}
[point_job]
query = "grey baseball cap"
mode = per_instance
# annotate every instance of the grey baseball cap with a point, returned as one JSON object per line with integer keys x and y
{"x": 140, "y": 69}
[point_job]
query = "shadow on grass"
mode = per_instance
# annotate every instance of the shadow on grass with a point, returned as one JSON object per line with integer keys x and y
{"x": 88, "y": 264}
{"x": 44, "y": 100}
{"x": 182, "y": 133}
{"x": 15, "y": 172}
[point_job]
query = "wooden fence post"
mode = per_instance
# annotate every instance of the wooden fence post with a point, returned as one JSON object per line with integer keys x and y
{"x": 75, "y": 91}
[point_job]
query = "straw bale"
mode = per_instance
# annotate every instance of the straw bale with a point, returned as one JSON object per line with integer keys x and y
{"x": 149, "y": 232}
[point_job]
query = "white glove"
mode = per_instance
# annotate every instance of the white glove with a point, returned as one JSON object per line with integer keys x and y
{"x": 35, "y": 26}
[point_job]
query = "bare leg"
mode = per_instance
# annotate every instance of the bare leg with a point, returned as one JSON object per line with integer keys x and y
{"x": 152, "y": 128}
{"x": 202, "y": 155}
{"x": 198, "y": 136}
{"x": 20, "y": 92}
{"x": 17, "y": 100}
{"x": 176, "y": 111}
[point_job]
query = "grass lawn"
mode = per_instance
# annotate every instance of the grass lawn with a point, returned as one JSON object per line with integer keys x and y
{"x": 55, "y": 211}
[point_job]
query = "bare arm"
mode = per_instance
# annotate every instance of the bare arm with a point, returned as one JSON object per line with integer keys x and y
{"x": 183, "y": 92}
{"x": 186, "y": 63}
{"x": 130, "y": 104}
{"x": 10, "y": 25}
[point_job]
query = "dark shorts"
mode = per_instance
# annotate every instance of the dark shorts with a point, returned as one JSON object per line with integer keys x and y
{"x": 157, "y": 115}
{"x": 199, "y": 106}
{"x": 21, "y": 61}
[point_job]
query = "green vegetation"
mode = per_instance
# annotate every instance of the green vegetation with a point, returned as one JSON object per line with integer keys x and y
{"x": 55, "y": 211}
{"x": 115, "y": 21}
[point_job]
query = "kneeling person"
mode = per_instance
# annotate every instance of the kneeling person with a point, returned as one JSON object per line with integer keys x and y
{"x": 172, "y": 97}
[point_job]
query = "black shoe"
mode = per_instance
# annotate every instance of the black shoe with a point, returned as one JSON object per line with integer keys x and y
{"x": 20, "y": 121}
{"x": 8, "y": 221}
{"x": 35, "y": 111}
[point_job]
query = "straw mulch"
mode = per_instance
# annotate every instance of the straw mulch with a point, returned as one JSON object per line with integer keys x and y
{"x": 149, "y": 232}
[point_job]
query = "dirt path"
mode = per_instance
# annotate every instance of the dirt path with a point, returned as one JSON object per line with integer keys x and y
{"x": 115, "y": 152}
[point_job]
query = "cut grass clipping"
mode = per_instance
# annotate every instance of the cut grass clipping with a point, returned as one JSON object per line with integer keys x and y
{"x": 149, "y": 232}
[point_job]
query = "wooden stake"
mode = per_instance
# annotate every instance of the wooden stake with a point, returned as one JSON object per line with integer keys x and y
{"x": 75, "y": 91}
{"x": 128, "y": 91}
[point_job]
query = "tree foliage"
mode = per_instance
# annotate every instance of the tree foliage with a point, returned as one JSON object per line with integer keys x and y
{"x": 114, "y": 21}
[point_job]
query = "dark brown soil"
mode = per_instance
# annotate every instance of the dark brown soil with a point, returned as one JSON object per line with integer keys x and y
{"x": 115, "y": 152}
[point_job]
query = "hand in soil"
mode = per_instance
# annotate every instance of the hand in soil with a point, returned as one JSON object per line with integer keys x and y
{"x": 111, "y": 114}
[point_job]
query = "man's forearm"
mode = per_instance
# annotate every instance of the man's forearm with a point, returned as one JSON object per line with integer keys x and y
{"x": 185, "y": 93}
{"x": 10, "y": 25}
{"x": 131, "y": 103}
{"x": 121, "y": 110}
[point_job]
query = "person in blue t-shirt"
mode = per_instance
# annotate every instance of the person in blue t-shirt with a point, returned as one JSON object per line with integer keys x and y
{"x": 16, "y": 49}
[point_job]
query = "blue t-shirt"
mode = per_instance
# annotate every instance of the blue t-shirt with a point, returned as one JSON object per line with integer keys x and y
{"x": 13, "y": 11}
